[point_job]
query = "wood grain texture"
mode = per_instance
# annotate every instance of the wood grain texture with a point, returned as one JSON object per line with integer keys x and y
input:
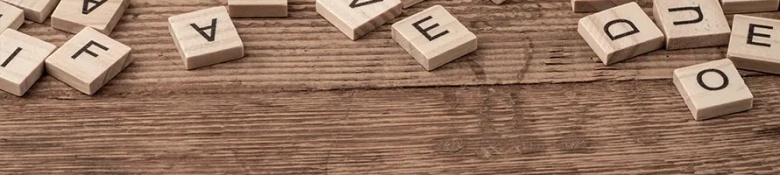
{"x": 306, "y": 100}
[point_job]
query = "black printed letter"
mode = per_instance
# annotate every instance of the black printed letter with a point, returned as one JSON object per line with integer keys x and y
{"x": 425, "y": 30}
{"x": 16, "y": 52}
{"x": 86, "y": 9}
{"x": 202, "y": 32}
{"x": 696, "y": 9}
{"x": 355, "y": 3}
{"x": 699, "y": 78}
{"x": 86, "y": 49}
{"x": 752, "y": 33}
{"x": 615, "y": 37}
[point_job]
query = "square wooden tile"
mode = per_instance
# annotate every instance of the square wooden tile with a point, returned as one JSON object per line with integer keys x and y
{"x": 749, "y": 6}
{"x": 584, "y": 6}
{"x": 713, "y": 89}
{"x": 88, "y": 61}
{"x": 434, "y": 37}
{"x": 10, "y": 17}
{"x": 691, "y": 23}
{"x": 35, "y": 10}
{"x": 356, "y": 18}
{"x": 755, "y": 44}
{"x": 410, "y": 3}
{"x": 257, "y": 8}
{"x": 103, "y": 15}
{"x": 620, "y": 33}
{"x": 205, "y": 37}
{"x": 21, "y": 59}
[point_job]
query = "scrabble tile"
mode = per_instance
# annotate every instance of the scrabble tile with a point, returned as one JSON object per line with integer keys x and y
{"x": 434, "y": 37}
{"x": 205, "y": 37}
{"x": 88, "y": 61}
{"x": 102, "y": 15}
{"x": 257, "y": 8}
{"x": 749, "y": 6}
{"x": 22, "y": 61}
{"x": 35, "y": 10}
{"x": 583, "y": 6}
{"x": 356, "y": 18}
{"x": 755, "y": 44}
{"x": 620, "y": 33}
{"x": 498, "y": 1}
{"x": 10, "y": 17}
{"x": 713, "y": 89}
{"x": 691, "y": 23}
{"x": 410, "y": 3}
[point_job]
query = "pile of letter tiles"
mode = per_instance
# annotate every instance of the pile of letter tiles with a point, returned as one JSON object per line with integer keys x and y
{"x": 618, "y": 30}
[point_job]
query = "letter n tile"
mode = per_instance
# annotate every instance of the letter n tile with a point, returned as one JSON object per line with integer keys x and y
{"x": 620, "y": 33}
{"x": 692, "y": 23}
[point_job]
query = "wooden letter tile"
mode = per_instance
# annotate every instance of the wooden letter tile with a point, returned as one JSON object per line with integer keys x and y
{"x": 21, "y": 60}
{"x": 88, "y": 61}
{"x": 713, "y": 89}
{"x": 10, "y": 17}
{"x": 691, "y": 23}
{"x": 749, "y": 6}
{"x": 257, "y": 8}
{"x": 583, "y": 6}
{"x": 205, "y": 37}
{"x": 356, "y": 18}
{"x": 103, "y": 15}
{"x": 35, "y": 10}
{"x": 434, "y": 37}
{"x": 410, "y": 3}
{"x": 755, "y": 44}
{"x": 620, "y": 33}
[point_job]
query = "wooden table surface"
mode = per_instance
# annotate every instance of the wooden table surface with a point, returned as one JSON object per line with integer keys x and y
{"x": 306, "y": 100}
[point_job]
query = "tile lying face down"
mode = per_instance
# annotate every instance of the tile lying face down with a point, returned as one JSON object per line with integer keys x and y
{"x": 206, "y": 37}
{"x": 620, "y": 33}
{"x": 584, "y": 6}
{"x": 102, "y": 15}
{"x": 88, "y": 61}
{"x": 10, "y": 17}
{"x": 749, "y": 6}
{"x": 713, "y": 89}
{"x": 691, "y": 23}
{"x": 257, "y": 8}
{"x": 356, "y": 18}
{"x": 21, "y": 61}
{"x": 434, "y": 37}
{"x": 35, "y": 10}
{"x": 755, "y": 44}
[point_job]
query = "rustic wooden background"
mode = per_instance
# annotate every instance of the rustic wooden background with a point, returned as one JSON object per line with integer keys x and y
{"x": 307, "y": 100}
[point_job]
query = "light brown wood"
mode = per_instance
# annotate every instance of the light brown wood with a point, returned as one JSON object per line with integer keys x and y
{"x": 22, "y": 61}
{"x": 755, "y": 49}
{"x": 10, "y": 17}
{"x": 584, "y": 6}
{"x": 434, "y": 37}
{"x": 35, "y": 10}
{"x": 749, "y": 6}
{"x": 691, "y": 23}
{"x": 205, "y": 37}
{"x": 88, "y": 61}
{"x": 410, "y": 3}
{"x": 713, "y": 89}
{"x": 356, "y": 18}
{"x": 71, "y": 16}
{"x": 498, "y": 1}
{"x": 257, "y": 8}
{"x": 620, "y": 33}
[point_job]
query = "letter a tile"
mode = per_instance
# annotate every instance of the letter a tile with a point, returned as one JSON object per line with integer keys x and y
{"x": 205, "y": 37}
{"x": 713, "y": 89}
{"x": 620, "y": 33}
{"x": 434, "y": 37}
{"x": 102, "y": 15}
{"x": 356, "y": 18}
{"x": 691, "y": 23}
{"x": 10, "y": 17}
{"x": 88, "y": 61}
{"x": 755, "y": 44}
{"x": 22, "y": 58}
{"x": 35, "y": 10}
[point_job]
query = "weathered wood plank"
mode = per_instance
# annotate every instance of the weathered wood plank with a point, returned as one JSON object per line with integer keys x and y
{"x": 629, "y": 127}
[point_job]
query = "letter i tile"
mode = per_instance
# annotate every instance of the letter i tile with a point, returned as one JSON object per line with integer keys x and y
{"x": 620, "y": 33}
{"x": 434, "y": 37}
{"x": 88, "y": 61}
{"x": 692, "y": 23}
{"x": 755, "y": 45}
{"x": 205, "y": 37}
